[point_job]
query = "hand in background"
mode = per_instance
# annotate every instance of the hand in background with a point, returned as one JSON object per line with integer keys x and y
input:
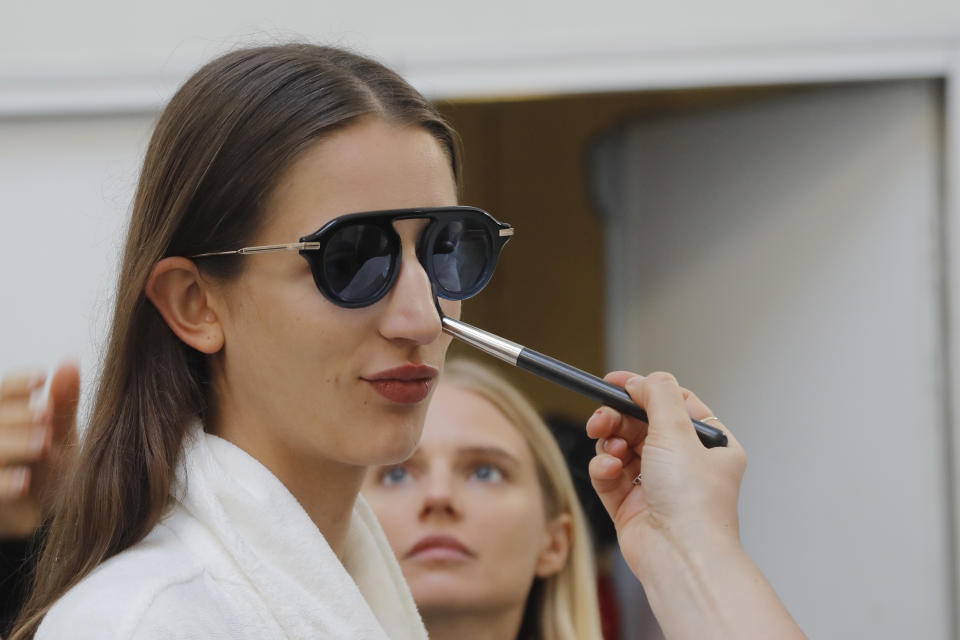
{"x": 687, "y": 492}
{"x": 35, "y": 445}
{"x": 678, "y": 525}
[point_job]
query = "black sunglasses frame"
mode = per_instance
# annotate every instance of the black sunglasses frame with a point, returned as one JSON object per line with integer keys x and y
{"x": 311, "y": 247}
{"x": 498, "y": 233}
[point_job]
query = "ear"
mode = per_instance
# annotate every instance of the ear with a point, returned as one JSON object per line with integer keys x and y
{"x": 553, "y": 555}
{"x": 182, "y": 297}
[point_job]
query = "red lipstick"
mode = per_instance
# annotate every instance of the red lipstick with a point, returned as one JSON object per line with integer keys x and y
{"x": 406, "y": 384}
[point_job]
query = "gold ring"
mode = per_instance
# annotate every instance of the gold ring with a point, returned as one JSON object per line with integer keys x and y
{"x": 710, "y": 418}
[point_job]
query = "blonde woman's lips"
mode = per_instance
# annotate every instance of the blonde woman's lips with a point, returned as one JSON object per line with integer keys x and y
{"x": 439, "y": 547}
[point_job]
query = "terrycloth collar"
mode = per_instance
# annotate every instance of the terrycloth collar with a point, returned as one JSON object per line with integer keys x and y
{"x": 280, "y": 551}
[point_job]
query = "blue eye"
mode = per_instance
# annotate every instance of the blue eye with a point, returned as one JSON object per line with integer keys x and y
{"x": 394, "y": 475}
{"x": 487, "y": 473}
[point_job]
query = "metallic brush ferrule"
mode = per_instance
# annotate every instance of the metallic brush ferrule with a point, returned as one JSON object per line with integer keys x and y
{"x": 486, "y": 342}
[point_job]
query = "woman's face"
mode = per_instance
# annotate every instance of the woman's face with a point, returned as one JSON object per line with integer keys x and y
{"x": 299, "y": 378}
{"x": 465, "y": 514}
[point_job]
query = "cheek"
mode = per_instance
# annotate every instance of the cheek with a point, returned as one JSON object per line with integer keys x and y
{"x": 441, "y": 345}
{"x": 294, "y": 319}
{"x": 451, "y": 308}
{"x": 395, "y": 511}
{"x": 516, "y": 524}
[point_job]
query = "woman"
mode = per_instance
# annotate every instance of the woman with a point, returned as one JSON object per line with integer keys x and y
{"x": 244, "y": 395}
{"x": 216, "y": 489}
{"x": 485, "y": 522}
{"x": 484, "y": 518}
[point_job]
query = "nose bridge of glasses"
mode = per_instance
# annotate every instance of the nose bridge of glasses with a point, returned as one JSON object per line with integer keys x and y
{"x": 411, "y": 231}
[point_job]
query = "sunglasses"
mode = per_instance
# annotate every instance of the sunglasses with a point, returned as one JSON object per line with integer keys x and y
{"x": 355, "y": 258}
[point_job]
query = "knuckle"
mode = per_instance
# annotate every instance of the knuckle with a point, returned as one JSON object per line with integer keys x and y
{"x": 594, "y": 467}
{"x": 663, "y": 377}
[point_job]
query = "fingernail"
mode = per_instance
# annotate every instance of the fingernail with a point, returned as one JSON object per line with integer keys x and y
{"x": 38, "y": 439}
{"x": 606, "y": 445}
{"x": 633, "y": 382}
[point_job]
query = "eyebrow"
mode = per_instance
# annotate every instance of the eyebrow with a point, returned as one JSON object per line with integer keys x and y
{"x": 493, "y": 452}
{"x": 477, "y": 451}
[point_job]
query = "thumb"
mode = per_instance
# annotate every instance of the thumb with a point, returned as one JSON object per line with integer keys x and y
{"x": 64, "y": 399}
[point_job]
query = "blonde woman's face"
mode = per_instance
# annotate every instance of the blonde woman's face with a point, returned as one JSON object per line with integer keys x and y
{"x": 465, "y": 514}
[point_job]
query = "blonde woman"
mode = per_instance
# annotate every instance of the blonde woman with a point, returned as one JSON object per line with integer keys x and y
{"x": 485, "y": 521}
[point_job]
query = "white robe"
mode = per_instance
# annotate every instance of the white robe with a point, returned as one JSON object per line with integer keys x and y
{"x": 237, "y": 557}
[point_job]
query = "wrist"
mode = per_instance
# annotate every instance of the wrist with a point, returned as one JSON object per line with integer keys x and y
{"x": 695, "y": 549}
{"x": 686, "y": 579}
{"x": 708, "y": 586}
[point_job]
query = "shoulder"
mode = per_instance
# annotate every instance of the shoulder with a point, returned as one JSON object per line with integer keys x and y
{"x": 155, "y": 589}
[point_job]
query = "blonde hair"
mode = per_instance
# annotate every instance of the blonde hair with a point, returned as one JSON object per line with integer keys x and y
{"x": 563, "y": 606}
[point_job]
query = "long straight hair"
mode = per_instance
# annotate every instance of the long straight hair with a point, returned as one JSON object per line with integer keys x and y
{"x": 216, "y": 153}
{"x": 563, "y": 606}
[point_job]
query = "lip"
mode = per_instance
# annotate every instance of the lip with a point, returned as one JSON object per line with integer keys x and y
{"x": 405, "y": 372}
{"x": 439, "y": 547}
{"x": 406, "y": 384}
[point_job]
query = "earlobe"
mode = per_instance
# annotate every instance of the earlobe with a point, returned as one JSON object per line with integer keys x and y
{"x": 559, "y": 537}
{"x": 180, "y": 294}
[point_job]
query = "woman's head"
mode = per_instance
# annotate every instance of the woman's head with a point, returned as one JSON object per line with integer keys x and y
{"x": 295, "y": 376}
{"x": 484, "y": 517}
{"x": 260, "y": 146}
{"x": 273, "y": 143}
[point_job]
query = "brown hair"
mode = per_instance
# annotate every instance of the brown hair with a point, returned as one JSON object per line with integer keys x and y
{"x": 563, "y": 606}
{"x": 217, "y": 150}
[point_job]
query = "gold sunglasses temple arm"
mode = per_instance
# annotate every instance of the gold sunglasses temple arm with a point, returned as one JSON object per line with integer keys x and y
{"x": 267, "y": 248}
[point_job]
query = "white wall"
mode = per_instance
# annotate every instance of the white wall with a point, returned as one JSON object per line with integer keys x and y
{"x": 782, "y": 258}
{"x": 65, "y": 191}
{"x": 112, "y": 34}
{"x": 101, "y": 52}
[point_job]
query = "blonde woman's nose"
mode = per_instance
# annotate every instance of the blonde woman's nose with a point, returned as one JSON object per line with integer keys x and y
{"x": 439, "y": 495}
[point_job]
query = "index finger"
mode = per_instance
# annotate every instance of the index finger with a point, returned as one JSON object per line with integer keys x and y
{"x": 666, "y": 405}
{"x": 22, "y": 384}
{"x": 607, "y": 421}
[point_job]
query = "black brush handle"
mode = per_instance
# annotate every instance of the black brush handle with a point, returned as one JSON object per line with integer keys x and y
{"x": 602, "y": 391}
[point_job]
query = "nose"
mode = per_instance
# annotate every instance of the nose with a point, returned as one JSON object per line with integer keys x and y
{"x": 411, "y": 314}
{"x": 439, "y": 499}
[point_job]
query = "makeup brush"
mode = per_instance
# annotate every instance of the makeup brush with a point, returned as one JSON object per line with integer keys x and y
{"x": 565, "y": 375}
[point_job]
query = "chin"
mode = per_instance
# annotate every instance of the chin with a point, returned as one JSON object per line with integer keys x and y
{"x": 461, "y": 588}
{"x": 395, "y": 445}
{"x": 447, "y": 594}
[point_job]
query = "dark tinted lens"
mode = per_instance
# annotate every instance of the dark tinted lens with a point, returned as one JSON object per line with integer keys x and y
{"x": 357, "y": 261}
{"x": 459, "y": 257}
